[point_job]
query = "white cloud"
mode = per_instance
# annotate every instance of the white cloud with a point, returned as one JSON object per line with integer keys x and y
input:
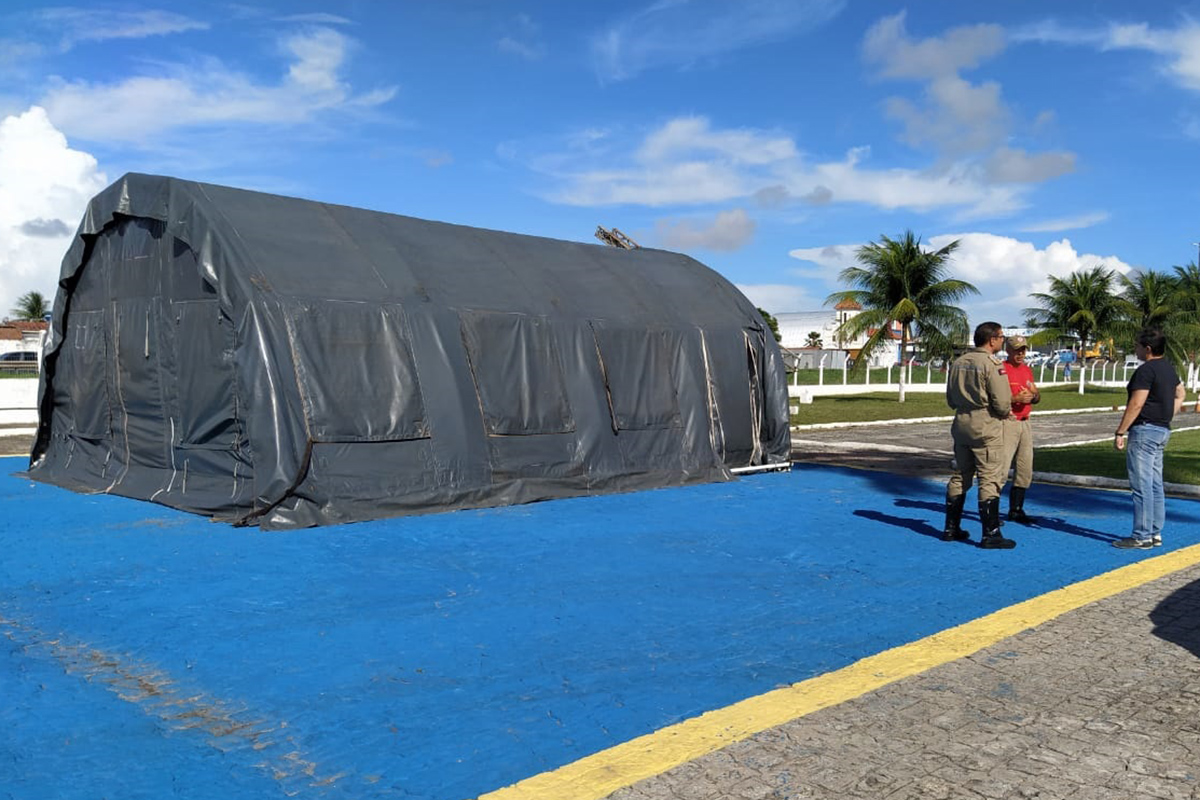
{"x": 523, "y": 40}
{"x": 1011, "y": 165}
{"x": 780, "y": 298}
{"x": 681, "y": 33}
{"x": 956, "y": 115}
{"x": 687, "y": 162}
{"x": 728, "y": 231}
{"x": 210, "y": 93}
{"x": 887, "y": 43}
{"x": 75, "y": 25}
{"x": 1178, "y": 47}
{"x": 964, "y": 122}
{"x": 317, "y": 18}
{"x": 1005, "y": 270}
{"x": 44, "y": 188}
{"x": 828, "y": 260}
{"x": 689, "y": 137}
{"x": 1068, "y": 223}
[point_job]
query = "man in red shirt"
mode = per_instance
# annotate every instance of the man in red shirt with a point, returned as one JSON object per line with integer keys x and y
{"x": 1018, "y": 434}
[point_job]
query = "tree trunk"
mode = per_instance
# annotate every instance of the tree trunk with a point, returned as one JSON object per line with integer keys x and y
{"x": 903, "y": 366}
{"x": 1082, "y": 363}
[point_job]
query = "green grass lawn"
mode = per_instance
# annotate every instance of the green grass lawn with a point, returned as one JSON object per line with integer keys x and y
{"x": 1181, "y": 463}
{"x": 885, "y": 405}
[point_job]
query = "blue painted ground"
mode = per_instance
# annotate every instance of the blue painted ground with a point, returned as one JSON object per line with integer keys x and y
{"x": 146, "y": 653}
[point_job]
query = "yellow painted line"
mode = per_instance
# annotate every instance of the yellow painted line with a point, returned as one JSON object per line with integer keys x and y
{"x": 605, "y": 772}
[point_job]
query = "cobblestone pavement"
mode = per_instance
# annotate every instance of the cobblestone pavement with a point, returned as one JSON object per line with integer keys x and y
{"x": 1098, "y": 704}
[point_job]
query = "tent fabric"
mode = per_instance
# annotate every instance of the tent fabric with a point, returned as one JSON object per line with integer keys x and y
{"x": 282, "y": 362}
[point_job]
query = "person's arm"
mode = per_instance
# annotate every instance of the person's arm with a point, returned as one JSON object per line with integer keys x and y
{"x": 1137, "y": 400}
{"x": 999, "y": 393}
{"x": 1180, "y": 393}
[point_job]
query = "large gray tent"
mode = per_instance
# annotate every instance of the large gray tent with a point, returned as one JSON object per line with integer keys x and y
{"x": 282, "y": 362}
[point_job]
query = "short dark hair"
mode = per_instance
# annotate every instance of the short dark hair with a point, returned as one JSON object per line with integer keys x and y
{"x": 985, "y": 332}
{"x": 1154, "y": 340}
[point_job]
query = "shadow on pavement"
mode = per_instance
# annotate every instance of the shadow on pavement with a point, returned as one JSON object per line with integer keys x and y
{"x": 1062, "y": 526}
{"x": 1177, "y": 618}
{"x": 1057, "y": 524}
{"x": 915, "y": 525}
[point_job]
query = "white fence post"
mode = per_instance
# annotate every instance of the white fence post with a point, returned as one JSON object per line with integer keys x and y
{"x": 821, "y": 369}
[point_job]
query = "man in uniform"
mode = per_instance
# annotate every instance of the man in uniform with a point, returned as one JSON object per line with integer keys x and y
{"x": 978, "y": 391}
{"x": 1018, "y": 433}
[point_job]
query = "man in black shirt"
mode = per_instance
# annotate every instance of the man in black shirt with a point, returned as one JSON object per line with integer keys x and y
{"x": 1155, "y": 395}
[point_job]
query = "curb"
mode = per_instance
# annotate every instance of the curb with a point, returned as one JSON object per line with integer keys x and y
{"x": 1094, "y": 482}
{"x": 817, "y": 426}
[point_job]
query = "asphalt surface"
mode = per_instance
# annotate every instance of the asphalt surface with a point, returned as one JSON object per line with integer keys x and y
{"x": 926, "y": 449}
{"x": 152, "y": 654}
{"x": 1098, "y": 704}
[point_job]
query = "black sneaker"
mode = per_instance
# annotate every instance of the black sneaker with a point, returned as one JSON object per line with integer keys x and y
{"x": 996, "y": 542}
{"x": 1156, "y": 540}
{"x": 956, "y": 535}
{"x": 1130, "y": 543}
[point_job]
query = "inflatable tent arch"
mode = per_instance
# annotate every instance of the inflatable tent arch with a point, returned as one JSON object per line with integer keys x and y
{"x": 282, "y": 362}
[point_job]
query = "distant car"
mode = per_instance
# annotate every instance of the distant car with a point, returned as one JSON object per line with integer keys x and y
{"x": 1132, "y": 362}
{"x": 1062, "y": 357}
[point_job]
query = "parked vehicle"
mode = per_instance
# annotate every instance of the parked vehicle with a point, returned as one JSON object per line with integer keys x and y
{"x": 1061, "y": 356}
{"x": 20, "y": 362}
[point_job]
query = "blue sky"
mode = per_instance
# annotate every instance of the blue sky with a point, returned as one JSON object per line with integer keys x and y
{"x": 766, "y": 138}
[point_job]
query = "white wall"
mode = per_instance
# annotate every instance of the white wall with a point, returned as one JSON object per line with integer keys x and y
{"x": 18, "y": 401}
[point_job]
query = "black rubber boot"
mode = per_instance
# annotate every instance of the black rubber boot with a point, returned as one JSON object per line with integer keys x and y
{"x": 989, "y": 514}
{"x": 1016, "y": 507}
{"x": 953, "y": 532}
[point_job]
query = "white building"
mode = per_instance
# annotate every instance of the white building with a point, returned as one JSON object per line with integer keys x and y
{"x": 24, "y": 335}
{"x": 795, "y": 329}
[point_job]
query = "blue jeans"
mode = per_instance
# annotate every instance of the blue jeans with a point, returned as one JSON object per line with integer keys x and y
{"x": 1144, "y": 461}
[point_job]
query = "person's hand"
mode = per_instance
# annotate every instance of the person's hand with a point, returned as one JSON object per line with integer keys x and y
{"x": 1023, "y": 396}
{"x": 1119, "y": 441}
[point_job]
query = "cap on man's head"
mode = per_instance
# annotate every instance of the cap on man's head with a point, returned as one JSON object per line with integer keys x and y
{"x": 1015, "y": 343}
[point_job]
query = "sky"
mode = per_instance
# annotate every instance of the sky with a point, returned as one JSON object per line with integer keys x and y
{"x": 769, "y": 139}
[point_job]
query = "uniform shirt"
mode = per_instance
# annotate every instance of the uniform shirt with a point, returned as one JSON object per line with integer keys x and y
{"x": 977, "y": 382}
{"x": 1159, "y": 377}
{"x": 1019, "y": 376}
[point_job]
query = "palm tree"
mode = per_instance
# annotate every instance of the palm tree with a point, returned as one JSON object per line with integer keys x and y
{"x": 1158, "y": 300}
{"x": 1082, "y": 305}
{"x": 1187, "y": 302}
{"x": 900, "y": 282}
{"x": 31, "y": 306}
{"x": 814, "y": 340}
{"x": 772, "y": 323}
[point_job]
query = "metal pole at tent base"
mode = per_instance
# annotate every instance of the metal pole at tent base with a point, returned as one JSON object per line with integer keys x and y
{"x": 762, "y": 468}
